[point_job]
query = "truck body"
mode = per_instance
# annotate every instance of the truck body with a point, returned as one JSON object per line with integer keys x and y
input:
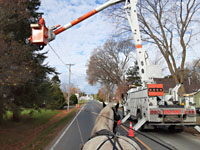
{"x": 159, "y": 110}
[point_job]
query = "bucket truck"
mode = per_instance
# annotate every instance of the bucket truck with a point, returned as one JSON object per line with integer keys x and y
{"x": 147, "y": 103}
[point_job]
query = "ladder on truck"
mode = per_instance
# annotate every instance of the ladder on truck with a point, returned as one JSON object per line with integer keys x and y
{"x": 138, "y": 125}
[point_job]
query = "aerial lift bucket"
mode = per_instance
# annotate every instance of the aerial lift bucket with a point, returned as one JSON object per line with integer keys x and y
{"x": 39, "y": 33}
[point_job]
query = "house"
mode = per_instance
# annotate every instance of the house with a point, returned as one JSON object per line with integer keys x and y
{"x": 197, "y": 99}
{"x": 192, "y": 87}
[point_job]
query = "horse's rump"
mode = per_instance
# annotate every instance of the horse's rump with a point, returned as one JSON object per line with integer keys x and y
{"x": 110, "y": 141}
{"x": 103, "y": 133}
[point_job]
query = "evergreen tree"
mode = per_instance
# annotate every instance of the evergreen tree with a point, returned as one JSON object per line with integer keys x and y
{"x": 55, "y": 98}
{"x": 21, "y": 66}
{"x": 133, "y": 75}
{"x": 73, "y": 99}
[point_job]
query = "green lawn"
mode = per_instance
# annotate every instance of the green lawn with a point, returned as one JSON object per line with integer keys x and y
{"x": 41, "y": 114}
{"x": 47, "y": 135}
{"x": 82, "y": 102}
{"x": 35, "y": 129}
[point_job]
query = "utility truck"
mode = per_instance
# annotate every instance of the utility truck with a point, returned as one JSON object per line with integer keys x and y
{"x": 147, "y": 103}
{"x": 151, "y": 108}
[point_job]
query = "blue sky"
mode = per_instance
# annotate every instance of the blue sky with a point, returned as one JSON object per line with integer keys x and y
{"x": 76, "y": 44}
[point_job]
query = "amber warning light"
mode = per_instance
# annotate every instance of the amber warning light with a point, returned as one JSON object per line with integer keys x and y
{"x": 155, "y": 90}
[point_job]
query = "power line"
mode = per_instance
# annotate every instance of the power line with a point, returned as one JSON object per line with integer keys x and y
{"x": 56, "y": 54}
{"x": 50, "y": 18}
{"x": 78, "y": 74}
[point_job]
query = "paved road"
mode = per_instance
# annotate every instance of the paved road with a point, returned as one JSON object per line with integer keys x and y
{"x": 71, "y": 139}
{"x": 145, "y": 141}
{"x": 183, "y": 141}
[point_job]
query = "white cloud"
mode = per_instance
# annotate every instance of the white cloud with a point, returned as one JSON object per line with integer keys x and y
{"x": 76, "y": 44}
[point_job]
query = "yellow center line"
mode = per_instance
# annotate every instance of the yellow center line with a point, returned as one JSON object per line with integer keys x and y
{"x": 147, "y": 147}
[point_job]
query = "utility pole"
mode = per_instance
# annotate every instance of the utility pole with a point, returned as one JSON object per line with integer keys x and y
{"x": 69, "y": 84}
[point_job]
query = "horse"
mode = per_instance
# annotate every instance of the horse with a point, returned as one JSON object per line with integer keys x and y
{"x": 104, "y": 137}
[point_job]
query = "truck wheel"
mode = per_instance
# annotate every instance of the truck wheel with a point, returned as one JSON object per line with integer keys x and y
{"x": 172, "y": 129}
{"x": 179, "y": 130}
{"x": 175, "y": 129}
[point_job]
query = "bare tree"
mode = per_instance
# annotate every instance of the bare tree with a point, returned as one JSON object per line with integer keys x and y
{"x": 107, "y": 89}
{"x": 169, "y": 25}
{"x": 108, "y": 64}
{"x": 101, "y": 95}
{"x": 73, "y": 90}
{"x": 193, "y": 69}
{"x": 196, "y": 65}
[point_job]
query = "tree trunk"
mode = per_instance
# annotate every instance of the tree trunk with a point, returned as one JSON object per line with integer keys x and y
{"x": 16, "y": 114}
{"x": 108, "y": 97}
{"x": 1, "y": 114}
{"x": 181, "y": 91}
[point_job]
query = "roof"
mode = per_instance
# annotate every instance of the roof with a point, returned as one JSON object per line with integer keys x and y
{"x": 191, "y": 86}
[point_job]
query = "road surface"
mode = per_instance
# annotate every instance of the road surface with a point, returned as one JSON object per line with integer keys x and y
{"x": 183, "y": 141}
{"x": 79, "y": 130}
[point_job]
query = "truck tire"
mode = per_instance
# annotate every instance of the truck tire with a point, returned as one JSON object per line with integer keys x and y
{"x": 179, "y": 130}
{"x": 173, "y": 129}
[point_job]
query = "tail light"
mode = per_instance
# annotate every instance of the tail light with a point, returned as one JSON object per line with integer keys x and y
{"x": 155, "y": 111}
{"x": 190, "y": 111}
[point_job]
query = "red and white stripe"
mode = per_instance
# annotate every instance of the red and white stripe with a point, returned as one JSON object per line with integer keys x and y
{"x": 87, "y": 15}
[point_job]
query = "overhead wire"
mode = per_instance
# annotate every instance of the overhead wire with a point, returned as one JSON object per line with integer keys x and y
{"x": 51, "y": 19}
{"x": 80, "y": 75}
{"x": 56, "y": 54}
{"x": 64, "y": 63}
{"x": 74, "y": 73}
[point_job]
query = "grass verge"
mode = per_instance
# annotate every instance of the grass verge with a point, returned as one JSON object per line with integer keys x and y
{"x": 82, "y": 102}
{"x": 34, "y": 131}
{"x": 47, "y": 135}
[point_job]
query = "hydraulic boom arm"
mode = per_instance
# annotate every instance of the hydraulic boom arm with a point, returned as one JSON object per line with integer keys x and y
{"x": 87, "y": 15}
{"x": 41, "y": 35}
